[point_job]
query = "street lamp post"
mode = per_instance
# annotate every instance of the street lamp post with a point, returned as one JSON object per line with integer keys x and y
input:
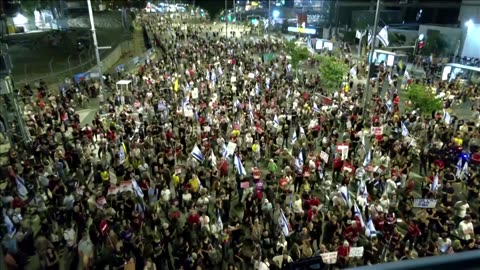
{"x": 370, "y": 59}
{"x": 95, "y": 43}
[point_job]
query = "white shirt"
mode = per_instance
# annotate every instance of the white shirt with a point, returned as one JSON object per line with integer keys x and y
{"x": 70, "y": 236}
{"x": 444, "y": 245}
{"x": 461, "y": 209}
{"x": 186, "y": 197}
{"x": 204, "y": 220}
{"x": 465, "y": 229}
{"x": 166, "y": 195}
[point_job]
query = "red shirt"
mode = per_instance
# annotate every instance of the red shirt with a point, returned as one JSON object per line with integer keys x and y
{"x": 351, "y": 233}
{"x": 337, "y": 163}
{"x": 194, "y": 219}
{"x": 379, "y": 223}
{"x": 343, "y": 251}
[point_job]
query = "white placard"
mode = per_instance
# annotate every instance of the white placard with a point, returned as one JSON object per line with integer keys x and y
{"x": 324, "y": 156}
{"x": 329, "y": 258}
{"x": 343, "y": 149}
{"x": 356, "y": 252}
{"x": 195, "y": 93}
{"x": 233, "y": 79}
{"x": 231, "y": 146}
{"x": 188, "y": 113}
{"x": 376, "y": 131}
{"x": 424, "y": 203}
{"x": 251, "y": 75}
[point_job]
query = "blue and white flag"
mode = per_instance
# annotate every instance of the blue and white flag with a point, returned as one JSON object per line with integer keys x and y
{"x": 446, "y": 117}
{"x": 363, "y": 141}
{"x": 276, "y": 122}
{"x": 315, "y": 107}
{"x": 136, "y": 188}
{"x": 21, "y": 189}
{"x": 239, "y": 166}
{"x": 283, "y": 223}
{"x": 345, "y": 195}
{"x": 370, "y": 230}
{"x": 368, "y": 158}
{"x": 404, "y": 130}
{"x": 294, "y": 137}
{"x": 197, "y": 154}
{"x": 214, "y": 76}
{"x": 288, "y": 93}
{"x": 250, "y": 113}
{"x": 186, "y": 102}
{"x": 207, "y": 77}
{"x": 299, "y": 162}
{"x": 224, "y": 151}
{"x": 358, "y": 214}
{"x": 219, "y": 222}
{"x": 389, "y": 105}
{"x": 435, "y": 183}
{"x": 257, "y": 88}
{"x": 213, "y": 159}
{"x": 459, "y": 168}
{"x": 302, "y": 131}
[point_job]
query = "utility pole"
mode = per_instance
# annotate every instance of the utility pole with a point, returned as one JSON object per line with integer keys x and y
{"x": 269, "y": 16}
{"x": 95, "y": 43}
{"x": 366, "y": 95}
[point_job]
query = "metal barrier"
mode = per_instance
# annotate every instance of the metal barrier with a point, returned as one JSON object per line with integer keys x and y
{"x": 468, "y": 260}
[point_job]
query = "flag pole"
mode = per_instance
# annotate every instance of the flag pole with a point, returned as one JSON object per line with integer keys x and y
{"x": 366, "y": 94}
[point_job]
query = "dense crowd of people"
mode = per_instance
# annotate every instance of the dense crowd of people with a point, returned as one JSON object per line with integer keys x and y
{"x": 218, "y": 158}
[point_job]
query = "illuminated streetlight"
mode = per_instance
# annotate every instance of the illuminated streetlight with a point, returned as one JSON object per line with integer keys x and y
{"x": 275, "y": 14}
{"x": 469, "y": 23}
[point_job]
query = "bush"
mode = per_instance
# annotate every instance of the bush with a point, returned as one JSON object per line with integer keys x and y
{"x": 423, "y": 99}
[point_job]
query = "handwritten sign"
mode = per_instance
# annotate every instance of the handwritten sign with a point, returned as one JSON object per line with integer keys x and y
{"x": 329, "y": 258}
{"x": 324, "y": 156}
{"x": 424, "y": 203}
{"x": 376, "y": 131}
{"x": 343, "y": 149}
{"x": 356, "y": 252}
{"x": 231, "y": 146}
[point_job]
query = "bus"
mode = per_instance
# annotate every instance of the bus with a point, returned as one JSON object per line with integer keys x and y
{"x": 466, "y": 74}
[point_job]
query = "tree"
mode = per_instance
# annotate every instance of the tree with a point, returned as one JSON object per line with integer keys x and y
{"x": 435, "y": 43}
{"x": 332, "y": 72}
{"x": 423, "y": 99}
{"x": 296, "y": 52}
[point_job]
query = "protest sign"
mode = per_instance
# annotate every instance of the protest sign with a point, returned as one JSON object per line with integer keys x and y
{"x": 324, "y": 156}
{"x": 424, "y": 203}
{"x": 329, "y": 258}
{"x": 343, "y": 149}
{"x": 356, "y": 252}
{"x": 231, "y": 146}
{"x": 376, "y": 131}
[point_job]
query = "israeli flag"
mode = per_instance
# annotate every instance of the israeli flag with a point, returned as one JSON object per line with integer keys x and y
{"x": 294, "y": 137}
{"x": 362, "y": 190}
{"x": 435, "y": 183}
{"x": 358, "y": 214}
{"x": 239, "y": 166}
{"x": 220, "y": 71}
{"x": 315, "y": 107}
{"x": 404, "y": 130}
{"x": 370, "y": 230}
{"x": 122, "y": 157}
{"x": 446, "y": 117}
{"x": 257, "y": 88}
{"x": 299, "y": 162}
{"x": 213, "y": 159}
{"x": 363, "y": 141}
{"x": 197, "y": 154}
{"x": 276, "y": 122}
{"x": 368, "y": 158}
{"x": 219, "y": 222}
{"x": 288, "y": 93}
{"x": 214, "y": 77}
{"x": 345, "y": 195}
{"x": 250, "y": 113}
{"x": 224, "y": 151}
{"x": 186, "y": 102}
{"x": 464, "y": 169}
{"x": 459, "y": 168}
{"x": 389, "y": 105}
{"x": 283, "y": 223}
{"x": 136, "y": 188}
{"x": 302, "y": 131}
{"x": 208, "y": 75}
{"x": 21, "y": 189}
{"x": 9, "y": 225}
